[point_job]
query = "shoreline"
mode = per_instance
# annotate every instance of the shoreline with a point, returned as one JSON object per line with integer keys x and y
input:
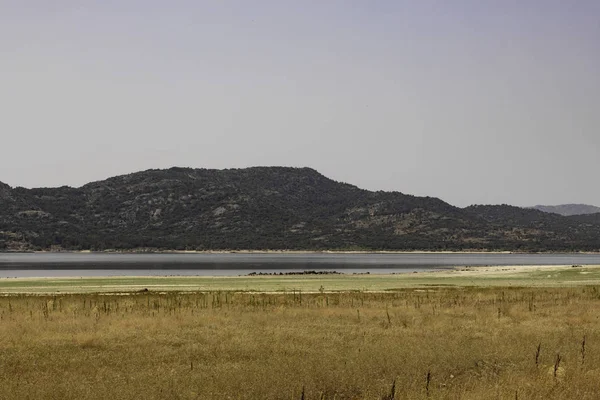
{"x": 459, "y": 278}
{"x": 350, "y": 252}
{"x": 477, "y": 270}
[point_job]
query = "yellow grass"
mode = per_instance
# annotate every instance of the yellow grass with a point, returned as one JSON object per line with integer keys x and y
{"x": 476, "y": 343}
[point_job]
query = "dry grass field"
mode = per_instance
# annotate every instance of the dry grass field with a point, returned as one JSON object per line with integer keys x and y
{"x": 442, "y": 343}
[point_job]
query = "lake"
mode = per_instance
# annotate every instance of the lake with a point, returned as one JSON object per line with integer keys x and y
{"x": 232, "y": 264}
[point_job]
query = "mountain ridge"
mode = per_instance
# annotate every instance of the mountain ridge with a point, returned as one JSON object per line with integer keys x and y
{"x": 282, "y": 208}
{"x": 569, "y": 209}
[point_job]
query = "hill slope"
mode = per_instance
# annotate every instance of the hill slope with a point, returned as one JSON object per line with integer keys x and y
{"x": 569, "y": 209}
{"x": 266, "y": 208}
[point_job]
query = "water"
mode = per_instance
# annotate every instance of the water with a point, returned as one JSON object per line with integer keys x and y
{"x": 103, "y": 264}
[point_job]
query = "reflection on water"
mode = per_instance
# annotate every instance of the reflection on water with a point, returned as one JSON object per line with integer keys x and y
{"x": 233, "y": 264}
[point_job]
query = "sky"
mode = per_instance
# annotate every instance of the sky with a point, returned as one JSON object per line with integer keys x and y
{"x": 471, "y": 101}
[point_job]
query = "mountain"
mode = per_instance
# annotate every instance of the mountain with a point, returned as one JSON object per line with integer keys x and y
{"x": 588, "y": 219}
{"x": 267, "y": 208}
{"x": 569, "y": 209}
{"x": 5, "y": 190}
{"x": 538, "y": 230}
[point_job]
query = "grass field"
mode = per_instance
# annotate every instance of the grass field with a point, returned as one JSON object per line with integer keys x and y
{"x": 483, "y": 341}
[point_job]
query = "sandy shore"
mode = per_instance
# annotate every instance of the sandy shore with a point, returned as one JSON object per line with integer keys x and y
{"x": 511, "y": 269}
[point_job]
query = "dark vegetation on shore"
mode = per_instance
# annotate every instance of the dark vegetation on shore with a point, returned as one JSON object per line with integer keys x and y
{"x": 269, "y": 208}
{"x": 295, "y": 273}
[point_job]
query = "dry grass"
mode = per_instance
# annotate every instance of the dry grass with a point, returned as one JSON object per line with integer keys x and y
{"x": 475, "y": 343}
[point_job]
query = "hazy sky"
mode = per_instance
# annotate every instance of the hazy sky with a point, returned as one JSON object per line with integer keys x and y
{"x": 470, "y": 101}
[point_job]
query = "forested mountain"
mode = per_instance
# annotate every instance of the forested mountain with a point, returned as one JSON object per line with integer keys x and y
{"x": 569, "y": 209}
{"x": 267, "y": 208}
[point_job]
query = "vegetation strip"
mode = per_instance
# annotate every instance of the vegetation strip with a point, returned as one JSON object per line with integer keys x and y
{"x": 525, "y": 276}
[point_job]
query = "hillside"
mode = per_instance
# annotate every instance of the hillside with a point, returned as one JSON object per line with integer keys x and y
{"x": 569, "y": 209}
{"x": 267, "y": 208}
